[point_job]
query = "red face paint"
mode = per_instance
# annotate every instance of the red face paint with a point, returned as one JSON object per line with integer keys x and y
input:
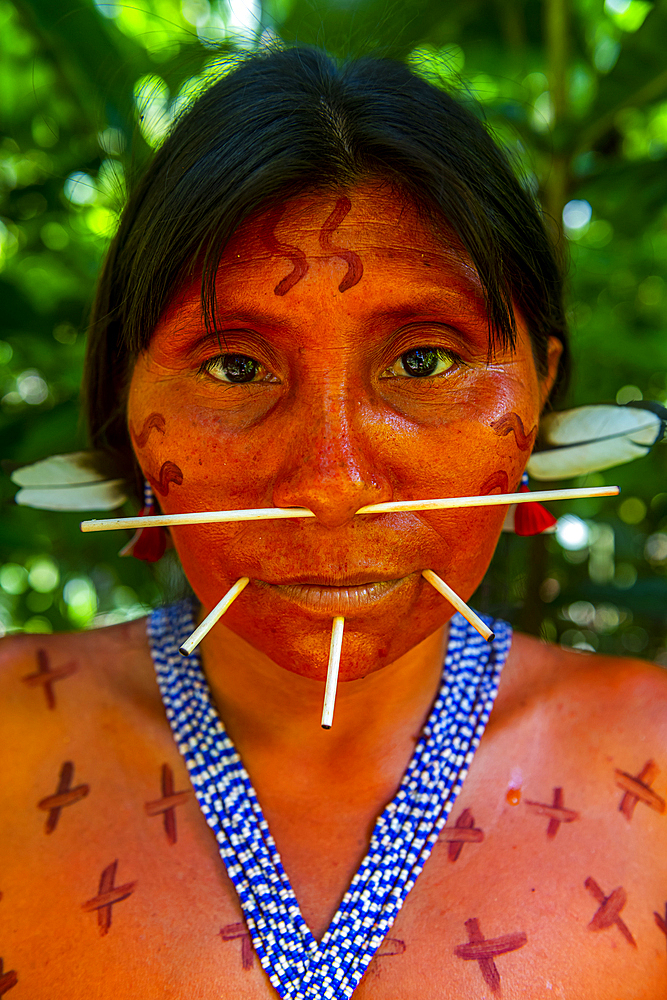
{"x": 511, "y": 423}
{"x": 169, "y": 474}
{"x": 497, "y": 482}
{"x": 355, "y": 268}
{"x": 278, "y": 248}
{"x": 331, "y": 418}
{"x": 153, "y": 422}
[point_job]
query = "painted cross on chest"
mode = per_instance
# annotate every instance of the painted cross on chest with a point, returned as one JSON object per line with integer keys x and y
{"x": 556, "y": 812}
{"x": 609, "y": 912}
{"x": 7, "y": 979}
{"x": 108, "y": 895}
{"x": 46, "y": 676}
{"x": 637, "y": 789}
{"x": 389, "y": 948}
{"x": 64, "y": 796}
{"x": 661, "y": 921}
{"x": 463, "y": 832}
{"x": 239, "y": 931}
{"x": 168, "y": 803}
{"x": 484, "y": 950}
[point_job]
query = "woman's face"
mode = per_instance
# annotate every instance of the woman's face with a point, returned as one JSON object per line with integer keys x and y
{"x": 349, "y": 366}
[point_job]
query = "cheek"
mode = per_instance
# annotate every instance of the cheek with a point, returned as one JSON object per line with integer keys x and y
{"x": 465, "y": 458}
{"x": 193, "y": 462}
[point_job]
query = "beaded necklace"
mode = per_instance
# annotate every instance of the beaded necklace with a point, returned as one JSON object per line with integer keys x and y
{"x": 299, "y": 967}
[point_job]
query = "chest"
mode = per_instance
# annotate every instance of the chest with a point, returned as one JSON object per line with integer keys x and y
{"x": 113, "y": 887}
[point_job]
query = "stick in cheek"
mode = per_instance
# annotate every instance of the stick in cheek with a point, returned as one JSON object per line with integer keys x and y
{"x": 460, "y": 605}
{"x": 214, "y": 616}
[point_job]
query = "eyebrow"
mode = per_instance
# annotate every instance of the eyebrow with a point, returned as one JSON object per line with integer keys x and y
{"x": 463, "y": 299}
{"x": 469, "y": 299}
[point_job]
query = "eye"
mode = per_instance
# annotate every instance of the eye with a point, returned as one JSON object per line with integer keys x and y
{"x": 422, "y": 362}
{"x": 237, "y": 369}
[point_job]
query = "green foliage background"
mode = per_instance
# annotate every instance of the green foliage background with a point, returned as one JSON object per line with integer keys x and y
{"x": 575, "y": 89}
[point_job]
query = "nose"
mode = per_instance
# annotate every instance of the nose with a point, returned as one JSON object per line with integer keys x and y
{"x": 331, "y": 466}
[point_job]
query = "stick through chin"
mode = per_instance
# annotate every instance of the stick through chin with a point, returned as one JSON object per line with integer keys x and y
{"x": 331, "y": 686}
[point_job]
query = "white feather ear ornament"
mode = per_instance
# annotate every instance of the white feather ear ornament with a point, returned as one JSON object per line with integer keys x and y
{"x": 593, "y": 438}
{"x": 68, "y": 482}
{"x": 583, "y": 440}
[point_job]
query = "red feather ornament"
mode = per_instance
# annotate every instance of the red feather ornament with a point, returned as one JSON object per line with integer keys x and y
{"x": 148, "y": 544}
{"x": 532, "y": 518}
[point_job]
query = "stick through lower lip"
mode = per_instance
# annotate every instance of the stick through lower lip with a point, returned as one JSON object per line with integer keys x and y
{"x": 391, "y": 507}
{"x": 454, "y": 599}
{"x": 214, "y": 616}
{"x": 332, "y": 672}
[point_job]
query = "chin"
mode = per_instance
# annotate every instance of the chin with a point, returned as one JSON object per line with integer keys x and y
{"x": 305, "y": 650}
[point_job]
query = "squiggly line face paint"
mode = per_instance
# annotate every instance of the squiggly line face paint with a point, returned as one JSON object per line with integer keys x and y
{"x": 169, "y": 475}
{"x": 282, "y": 249}
{"x": 338, "y": 393}
{"x": 511, "y": 423}
{"x": 297, "y": 256}
{"x": 355, "y": 268}
{"x": 497, "y": 482}
{"x": 154, "y": 421}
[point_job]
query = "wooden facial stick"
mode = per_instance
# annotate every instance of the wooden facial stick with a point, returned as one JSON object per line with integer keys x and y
{"x": 391, "y": 507}
{"x": 332, "y": 672}
{"x": 460, "y": 605}
{"x": 214, "y": 616}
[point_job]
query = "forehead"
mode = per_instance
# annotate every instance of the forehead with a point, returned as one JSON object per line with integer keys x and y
{"x": 366, "y": 251}
{"x": 373, "y": 218}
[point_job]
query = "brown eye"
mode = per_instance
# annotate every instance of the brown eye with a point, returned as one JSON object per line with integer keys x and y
{"x": 237, "y": 369}
{"x": 421, "y": 362}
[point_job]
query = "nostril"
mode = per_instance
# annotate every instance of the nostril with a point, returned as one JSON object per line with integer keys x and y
{"x": 333, "y": 475}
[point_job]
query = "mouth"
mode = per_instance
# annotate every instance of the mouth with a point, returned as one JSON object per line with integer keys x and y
{"x": 339, "y": 598}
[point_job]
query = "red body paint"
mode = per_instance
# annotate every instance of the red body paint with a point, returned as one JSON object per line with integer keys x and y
{"x": 637, "y": 789}
{"x": 661, "y": 922}
{"x": 463, "y": 832}
{"x": 7, "y": 979}
{"x": 609, "y": 911}
{"x": 107, "y": 897}
{"x": 239, "y": 932}
{"x": 483, "y": 950}
{"x": 64, "y": 796}
{"x": 389, "y": 948}
{"x": 166, "y": 806}
{"x": 556, "y": 812}
{"x": 45, "y": 676}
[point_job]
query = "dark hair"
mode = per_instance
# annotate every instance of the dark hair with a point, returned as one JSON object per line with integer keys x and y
{"x": 290, "y": 120}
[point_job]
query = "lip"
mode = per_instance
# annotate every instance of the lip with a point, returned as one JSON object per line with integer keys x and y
{"x": 354, "y": 594}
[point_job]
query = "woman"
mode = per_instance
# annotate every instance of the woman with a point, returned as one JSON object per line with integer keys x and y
{"x": 329, "y": 291}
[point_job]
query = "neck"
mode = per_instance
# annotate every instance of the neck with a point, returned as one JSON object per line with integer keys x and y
{"x": 269, "y": 710}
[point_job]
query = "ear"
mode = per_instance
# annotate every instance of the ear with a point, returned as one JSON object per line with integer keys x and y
{"x": 554, "y": 351}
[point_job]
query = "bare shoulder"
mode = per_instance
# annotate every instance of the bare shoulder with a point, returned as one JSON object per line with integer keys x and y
{"x": 628, "y": 694}
{"x": 131, "y": 633}
{"x": 69, "y": 667}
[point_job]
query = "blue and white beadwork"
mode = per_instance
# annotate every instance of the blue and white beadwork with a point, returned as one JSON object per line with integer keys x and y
{"x": 298, "y": 967}
{"x": 149, "y": 497}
